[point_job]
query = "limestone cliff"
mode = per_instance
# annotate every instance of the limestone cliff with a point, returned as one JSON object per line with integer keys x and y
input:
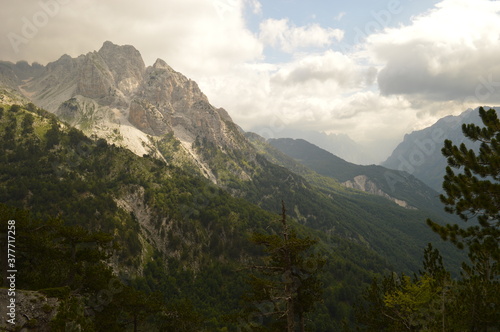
{"x": 110, "y": 93}
{"x": 363, "y": 183}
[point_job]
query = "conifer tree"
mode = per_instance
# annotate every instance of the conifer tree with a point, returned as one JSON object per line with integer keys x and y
{"x": 288, "y": 282}
{"x": 472, "y": 191}
{"x": 402, "y": 303}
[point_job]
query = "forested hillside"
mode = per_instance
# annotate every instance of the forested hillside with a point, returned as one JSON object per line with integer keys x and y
{"x": 170, "y": 240}
{"x": 433, "y": 300}
{"x": 155, "y": 227}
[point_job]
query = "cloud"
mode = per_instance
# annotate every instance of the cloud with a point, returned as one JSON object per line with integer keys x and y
{"x": 446, "y": 54}
{"x": 255, "y": 5}
{"x": 325, "y": 69}
{"x": 289, "y": 38}
{"x": 322, "y": 92}
{"x": 339, "y": 16}
{"x": 194, "y": 36}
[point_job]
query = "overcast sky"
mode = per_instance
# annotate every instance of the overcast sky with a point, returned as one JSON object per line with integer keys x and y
{"x": 372, "y": 69}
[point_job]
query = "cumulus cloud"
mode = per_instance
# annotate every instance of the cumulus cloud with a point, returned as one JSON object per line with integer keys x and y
{"x": 194, "y": 36}
{"x": 289, "y": 38}
{"x": 255, "y": 5}
{"x": 448, "y": 53}
{"x": 318, "y": 92}
{"x": 325, "y": 69}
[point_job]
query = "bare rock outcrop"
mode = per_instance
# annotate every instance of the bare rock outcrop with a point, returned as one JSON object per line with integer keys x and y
{"x": 363, "y": 183}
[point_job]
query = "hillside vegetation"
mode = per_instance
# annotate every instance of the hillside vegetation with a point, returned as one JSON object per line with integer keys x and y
{"x": 160, "y": 231}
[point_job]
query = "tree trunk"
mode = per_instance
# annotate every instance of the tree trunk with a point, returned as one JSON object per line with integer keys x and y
{"x": 302, "y": 322}
{"x": 290, "y": 316}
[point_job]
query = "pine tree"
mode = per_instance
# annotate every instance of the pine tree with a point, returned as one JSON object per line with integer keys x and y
{"x": 475, "y": 191}
{"x": 287, "y": 286}
{"x": 472, "y": 192}
{"x": 402, "y": 303}
{"x": 52, "y": 135}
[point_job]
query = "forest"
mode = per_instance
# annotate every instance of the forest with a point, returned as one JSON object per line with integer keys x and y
{"x": 173, "y": 252}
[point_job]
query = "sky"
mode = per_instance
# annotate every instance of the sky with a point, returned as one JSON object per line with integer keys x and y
{"x": 371, "y": 69}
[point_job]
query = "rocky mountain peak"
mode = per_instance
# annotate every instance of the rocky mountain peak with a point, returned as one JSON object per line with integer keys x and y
{"x": 420, "y": 152}
{"x": 125, "y": 64}
{"x": 112, "y": 94}
{"x": 160, "y": 64}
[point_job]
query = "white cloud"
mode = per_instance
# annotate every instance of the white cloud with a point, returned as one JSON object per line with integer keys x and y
{"x": 325, "y": 69}
{"x": 316, "y": 92}
{"x": 289, "y": 38}
{"x": 339, "y": 16}
{"x": 445, "y": 54}
{"x": 255, "y": 5}
{"x": 424, "y": 71}
{"x": 194, "y": 36}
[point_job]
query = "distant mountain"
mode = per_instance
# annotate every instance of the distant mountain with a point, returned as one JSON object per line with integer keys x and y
{"x": 397, "y": 186}
{"x": 339, "y": 144}
{"x": 344, "y": 183}
{"x": 420, "y": 152}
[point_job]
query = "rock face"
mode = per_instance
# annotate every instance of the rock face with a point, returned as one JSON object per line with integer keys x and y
{"x": 420, "y": 152}
{"x": 111, "y": 94}
{"x": 33, "y": 311}
{"x": 363, "y": 183}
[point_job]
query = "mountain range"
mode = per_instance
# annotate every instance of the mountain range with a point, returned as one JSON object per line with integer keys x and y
{"x": 141, "y": 153}
{"x": 340, "y": 145}
{"x": 420, "y": 152}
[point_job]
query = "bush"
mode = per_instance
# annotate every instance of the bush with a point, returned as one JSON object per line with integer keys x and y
{"x": 58, "y": 292}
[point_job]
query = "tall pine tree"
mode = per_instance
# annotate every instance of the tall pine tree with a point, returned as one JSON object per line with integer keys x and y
{"x": 472, "y": 191}
{"x": 286, "y": 287}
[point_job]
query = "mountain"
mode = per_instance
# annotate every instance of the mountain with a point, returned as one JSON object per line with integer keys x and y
{"x": 345, "y": 182}
{"x": 111, "y": 94}
{"x": 397, "y": 186}
{"x": 420, "y": 152}
{"x": 158, "y": 112}
{"x": 338, "y": 144}
{"x": 139, "y": 153}
{"x": 173, "y": 231}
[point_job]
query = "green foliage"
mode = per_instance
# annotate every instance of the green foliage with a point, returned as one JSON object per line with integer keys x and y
{"x": 52, "y": 135}
{"x": 59, "y": 292}
{"x": 181, "y": 316}
{"x": 288, "y": 280}
{"x": 71, "y": 317}
{"x": 433, "y": 301}
{"x": 402, "y": 303}
{"x": 27, "y": 124}
{"x": 406, "y": 302}
{"x": 473, "y": 192}
{"x": 369, "y": 219}
{"x": 15, "y": 108}
{"x": 170, "y": 231}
